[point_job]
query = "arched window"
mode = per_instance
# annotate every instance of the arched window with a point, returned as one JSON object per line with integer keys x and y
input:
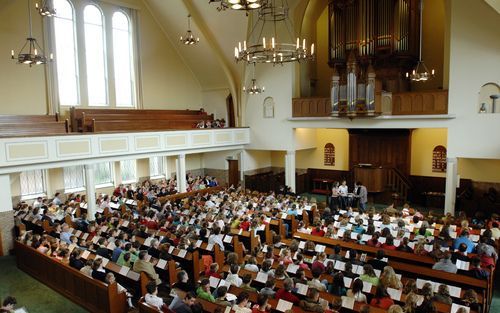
{"x": 329, "y": 154}
{"x": 95, "y": 56}
{"x": 65, "y": 53}
{"x": 439, "y": 159}
{"x": 123, "y": 60}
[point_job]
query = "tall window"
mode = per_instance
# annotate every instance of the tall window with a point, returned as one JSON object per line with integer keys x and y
{"x": 94, "y": 47}
{"x": 128, "y": 171}
{"x": 439, "y": 159}
{"x": 103, "y": 174}
{"x": 122, "y": 49}
{"x": 65, "y": 53}
{"x": 94, "y": 56}
{"x": 74, "y": 178}
{"x": 156, "y": 167}
{"x": 329, "y": 154}
{"x": 32, "y": 184}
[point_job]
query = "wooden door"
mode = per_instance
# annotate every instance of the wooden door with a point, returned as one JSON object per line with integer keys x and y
{"x": 233, "y": 173}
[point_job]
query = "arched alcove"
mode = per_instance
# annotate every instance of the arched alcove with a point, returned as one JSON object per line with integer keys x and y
{"x": 329, "y": 154}
{"x": 439, "y": 159}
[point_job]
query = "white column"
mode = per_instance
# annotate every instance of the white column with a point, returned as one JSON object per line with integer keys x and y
{"x": 90, "y": 190}
{"x": 451, "y": 185}
{"x": 242, "y": 167}
{"x": 181, "y": 172}
{"x": 290, "y": 169}
{"x": 5, "y": 194}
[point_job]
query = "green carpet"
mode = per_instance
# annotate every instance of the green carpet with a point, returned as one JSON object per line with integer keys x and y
{"x": 30, "y": 293}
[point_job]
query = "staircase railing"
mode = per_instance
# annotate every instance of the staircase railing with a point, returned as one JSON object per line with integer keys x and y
{"x": 399, "y": 183}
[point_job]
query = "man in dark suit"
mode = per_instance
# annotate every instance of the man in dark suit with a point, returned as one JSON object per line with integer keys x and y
{"x": 102, "y": 250}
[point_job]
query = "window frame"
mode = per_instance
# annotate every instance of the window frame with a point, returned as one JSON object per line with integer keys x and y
{"x": 108, "y": 9}
{"x": 74, "y": 189}
{"x": 162, "y": 170}
{"x": 111, "y": 175}
{"x": 135, "y": 178}
{"x": 34, "y": 195}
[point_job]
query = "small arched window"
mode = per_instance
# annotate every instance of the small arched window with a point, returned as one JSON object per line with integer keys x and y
{"x": 329, "y": 154}
{"x": 439, "y": 159}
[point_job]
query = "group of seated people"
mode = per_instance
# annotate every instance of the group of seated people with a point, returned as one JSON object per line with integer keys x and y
{"x": 218, "y": 123}
{"x": 207, "y": 217}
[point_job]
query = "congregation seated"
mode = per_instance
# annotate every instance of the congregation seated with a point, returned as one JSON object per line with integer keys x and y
{"x": 208, "y": 226}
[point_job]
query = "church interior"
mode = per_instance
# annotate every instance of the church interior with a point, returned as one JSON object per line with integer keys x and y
{"x": 249, "y": 156}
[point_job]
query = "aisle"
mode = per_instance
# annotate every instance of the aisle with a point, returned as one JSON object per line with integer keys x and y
{"x": 30, "y": 293}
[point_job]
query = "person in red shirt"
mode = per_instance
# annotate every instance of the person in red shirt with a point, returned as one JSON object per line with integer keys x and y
{"x": 245, "y": 225}
{"x": 317, "y": 231}
{"x": 213, "y": 271}
{"x": 285, "y": 293}
{"x": 382, "y": 298}
{"x": 318, "y": 265}
{"x": 389, "y": 243}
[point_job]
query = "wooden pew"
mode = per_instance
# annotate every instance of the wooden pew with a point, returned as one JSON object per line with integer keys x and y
{"x": 92, "y": 294}
{"x": 141, "y": 125}
{"x": 12, "y": 129}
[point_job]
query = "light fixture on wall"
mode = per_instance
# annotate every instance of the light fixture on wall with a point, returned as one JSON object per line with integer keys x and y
{"x": 268, "y": 42}
{"x": 31, "y": 53}
{"x": 420, "y": 73}
{"x": 254, "y": 89}
{"x": 189, "y": 39}
{"x": 46, "y": 8}
{"x": 240, "y": 5}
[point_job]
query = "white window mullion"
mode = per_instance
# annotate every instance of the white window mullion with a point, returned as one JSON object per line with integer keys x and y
{"x": 108, "y": 15}
{"x": 82, "y": 62}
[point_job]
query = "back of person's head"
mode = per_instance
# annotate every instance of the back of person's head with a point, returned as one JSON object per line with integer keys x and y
{"x": 97, "y": 263}
{"x": 266, "y": 265}
{"x": 365, "y": 309}
{"x": 316, "y": 272}
{"x": 234, "y": 268}
{"x": 357, "y": 286}
{"x": 262, "y": 299}
{"x": 9, "y": 300}
{"x": 288, "y": 284}
{"x": 247, "y": 279}
{"x": 395, "y": 309}
{"x": 443, "y": 290}
{"x": 204, "y": 282}
{"x": 337, "y": 249}
{"x": 475, "y": 261}
{"x": 410, "y": 286}
{"x": 142, "y": 255}
{"x": 221, "y": 291}
{"x": 242, "y": 297}
{"x": 181, "y": 275}
{"x": 270, "y": 282}
{"x": 464, "y": 233}
{"x": 337, "y": 304}
{"x": 380, "y": 254}
{"x": 368, "y": 270}
{"x": 214, "y": 267}
{"x": 151, "y": 287}
{"x": 381, "y": 292}
{"x": 462, "y": 247}
{"x": 313, "y": 293}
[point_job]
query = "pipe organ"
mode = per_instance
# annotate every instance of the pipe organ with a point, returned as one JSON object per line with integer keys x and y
{"x": 370, "y": 39}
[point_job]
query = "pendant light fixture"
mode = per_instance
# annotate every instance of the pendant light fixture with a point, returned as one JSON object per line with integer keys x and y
{"x": 31, "y": 53}
{"x": 420, "y": 73}
{"x": 238, "y": 5}
{"x": 254, "y": 89}
{"x": 189, "y": 39}
{"x": 46, "y": 9}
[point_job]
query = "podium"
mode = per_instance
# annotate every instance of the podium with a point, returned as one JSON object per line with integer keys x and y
{"x": 371, "y": 177}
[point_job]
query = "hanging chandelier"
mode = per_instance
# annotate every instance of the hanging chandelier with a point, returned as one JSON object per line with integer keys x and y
{"x": 46, "y": 9}
{"x": 189, "y": 39}
{"x": 31, "y": 53}
{"x": 420, "y": 73}
{"x": 240, "y": 5}
{"x": 254, "y": 89}
{"x": 271, "y": 39}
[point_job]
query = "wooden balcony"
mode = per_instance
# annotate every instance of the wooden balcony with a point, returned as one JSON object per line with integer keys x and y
{"x": 420, "y": 103}
{"x": 403, "y": 103}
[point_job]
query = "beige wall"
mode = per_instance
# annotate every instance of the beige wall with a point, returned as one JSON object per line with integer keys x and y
{"x": 423, "y": 142}
{"x": 482, "y": 170}
{"x": 167, "y": 82}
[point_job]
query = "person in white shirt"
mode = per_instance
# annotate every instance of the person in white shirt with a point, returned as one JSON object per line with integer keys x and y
{"x": 252, "y": 265}
{"x": 214, "y": 239}
{"x": 357, "y": 291}
{"x": 38, "y": 202}
{"x": 56, "y": 199}
{"x": 233, "y": 277}
{"x": 343, "y": 190}
{"x": 151, "y": 297}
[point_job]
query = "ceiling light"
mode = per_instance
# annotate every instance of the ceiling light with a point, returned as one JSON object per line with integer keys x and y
{"x": 189, "y": 39}
{"x": 420, "y": 73}
{"x": 240, "y": 5}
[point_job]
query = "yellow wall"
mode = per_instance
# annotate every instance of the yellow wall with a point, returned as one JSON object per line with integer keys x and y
{"x": 167, "y": 82}
{"x": 314, "y": 158}
{"x": 423, "y": 142}
{"x": 482, "y": 170}
{"x": 278, "y": 159}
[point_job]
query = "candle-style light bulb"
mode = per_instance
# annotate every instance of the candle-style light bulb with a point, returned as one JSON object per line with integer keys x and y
{"x": 272, "y": 42}
{"x": 312, "y": 49}
{"x": 12, "y": 53}
{"x": 304, "y": 44}
{"x": 51, "y": 56}
{"x": 432, "y": 72}
{"x": 239, "y": 46}
{"x": 264, "y": 42}
{"x": 298, "y": 43}
{"x": 36, "y": 51}
{"x": 245, "y": 45}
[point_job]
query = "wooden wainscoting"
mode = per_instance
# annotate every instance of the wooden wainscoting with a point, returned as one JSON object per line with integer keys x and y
{"x": 311, "y": 107}
{"x": 420, "y": 102}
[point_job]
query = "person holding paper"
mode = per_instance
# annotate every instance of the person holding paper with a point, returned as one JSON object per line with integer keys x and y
{"x": 442, "y": 295}
{"x": 220, "y": 296}
{"x": 214, "y": 239}
{"x": 316, "y": 282}
{"x": 476, "y": 271}
{"x": 464, "y": 238}
{"x": 369, "y": 275}
{"x": 262, "y": 304}
{"x": 356, "y": 291}
{"x": 445, "y": 264}
{"x": 242, "y": 303}
{"x": 232, "y": 276}
{"x": 338, "y": 286}
{"x": 285, "y": 293}
{"x": 382, "y": 299}
{"x": 268, "y": 290}
{"x": 203, "y": 291}
{"x": 183, "y": 282}
{"x": 97, "y": 271}
{"x": 311, "y": 302}
{"x": 151, "y": 297}
{"x": 389, "y": 278}
{"x": 141, "y": 265}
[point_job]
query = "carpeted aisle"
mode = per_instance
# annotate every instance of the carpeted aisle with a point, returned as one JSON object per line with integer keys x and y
{"x": 30, "y": 293}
